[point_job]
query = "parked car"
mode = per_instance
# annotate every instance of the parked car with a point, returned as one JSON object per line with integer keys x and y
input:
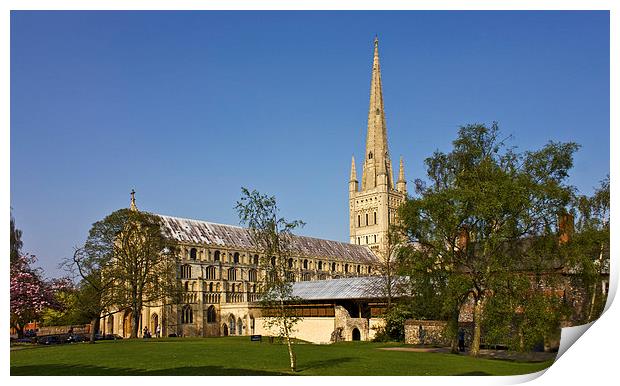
{"x": 75, "y": 338}
{"x": 49, "y": 340}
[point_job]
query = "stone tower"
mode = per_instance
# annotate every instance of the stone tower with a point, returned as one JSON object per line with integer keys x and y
{"x": 372, "y": 208}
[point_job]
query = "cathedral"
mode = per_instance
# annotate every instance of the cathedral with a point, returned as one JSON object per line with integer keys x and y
{"x": 220, "y": 267}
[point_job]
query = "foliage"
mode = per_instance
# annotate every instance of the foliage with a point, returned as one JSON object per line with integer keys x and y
{"x": 394, "y": 328}
{"x": 588, "y": 248}
{"x": 15, "y": 241}
{"x": 126, "y": 263}
{"x": 272, "y": 237}
{"x": 30, "y": 293}
{"x": 469, "y": 227}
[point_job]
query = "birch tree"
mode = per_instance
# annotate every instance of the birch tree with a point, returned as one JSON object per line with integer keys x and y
{"x": 272, "y": 237}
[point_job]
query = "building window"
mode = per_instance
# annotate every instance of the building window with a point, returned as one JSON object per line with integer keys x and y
{"x": 273, "y": 261}
{"x": 367, "y": 219}
{"x": 192, "y": 253}
{"x": 306, "y": 264}
{"x": 252, "y": 275}
{"x": 210, "y": 287}
{"x": 232, "y": 274}
{"x": 375, "y": 213}
{"x": 211, "y": 314}
{"x": 236, "y": 258}
{"x": 320, "y": 265}
{"x": 370, "y": 155}
{"x": 186, "y": 271}
{"x": 306, "y": 276}
{"x": 187, "y": 316}
{"x": 346, "y": 268}
{"x": 375, "y": 238}
{"x": 210, "y": 273}
{"x": 333, "y": 267}
{"x": 366, "y": 239}
{"x": 359, "y": 221}
{"x": 359, "y": 269}
{"x": 216, "y": 257}
{"x": 290, "y": 263}
{"x": 255, "y": 259}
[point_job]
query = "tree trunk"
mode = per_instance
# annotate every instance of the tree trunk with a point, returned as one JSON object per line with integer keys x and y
{"x": 93, "y": 326}
{"x": 454, "y": 348}
{"x": 20, "y": 330}
{"x": 475, "y": 342}
{"x": 291, "y": 353}
{"x": 135, "y": 323}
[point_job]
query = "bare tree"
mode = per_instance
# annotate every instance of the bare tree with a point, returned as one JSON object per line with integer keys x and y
{"x": 272, "y": 236}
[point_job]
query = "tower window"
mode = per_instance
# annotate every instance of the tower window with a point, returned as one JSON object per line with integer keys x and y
{"x": 367, "y": 219}
{"x": 192, "y": 253}
{"x": 359, "y": 220}
{"x": 370, "y": 155}
{"x": 375, "y": 218}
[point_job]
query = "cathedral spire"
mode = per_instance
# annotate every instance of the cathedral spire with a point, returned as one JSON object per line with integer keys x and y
{"x": 353, "y": 184}
{"x": 377, "y": 165}
{"x": 132, "y": 205}
{"x": 401, "y": 184}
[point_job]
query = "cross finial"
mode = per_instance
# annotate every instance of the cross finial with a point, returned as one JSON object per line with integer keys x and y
{"x": 133, "y": 200}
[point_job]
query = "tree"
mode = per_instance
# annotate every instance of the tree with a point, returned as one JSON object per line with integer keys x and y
{"x": 30, "y": 293}
{"x": 471, "y": 224}
{"x": 272, "y": 237}
{"x": 588, "y": 248}
{"x": 15, "y": 241}
{"x": 127, "y": 262}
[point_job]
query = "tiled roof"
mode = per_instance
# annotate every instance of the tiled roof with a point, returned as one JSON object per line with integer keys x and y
{"x": 207, "y": 233}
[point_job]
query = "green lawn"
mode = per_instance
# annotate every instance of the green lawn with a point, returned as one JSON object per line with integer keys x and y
{"x": 239, "y": 356}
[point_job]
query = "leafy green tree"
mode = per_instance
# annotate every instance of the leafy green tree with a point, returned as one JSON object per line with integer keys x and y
{"x": 15, "y": 241}
{"x": 272, "y": 237}
{"x": 127, "y": 262}
{"x": 467, "y": 227}
{"x": 588, "y": 248}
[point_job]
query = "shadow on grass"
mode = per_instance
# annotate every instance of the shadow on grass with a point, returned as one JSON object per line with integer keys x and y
{"x": 475, "y": 373}
{"x": 59, "y": 369}
{"x": 324, "y": 363}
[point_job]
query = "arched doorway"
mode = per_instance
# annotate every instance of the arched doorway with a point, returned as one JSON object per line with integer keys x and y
{"x": 225, "y": 329}
{"x": 154, "y": 323}
{"x": 127, "y": 324}
{"x": 355, "y": 334}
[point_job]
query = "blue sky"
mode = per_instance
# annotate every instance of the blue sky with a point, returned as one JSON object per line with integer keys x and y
{"x": 187, "y": 107}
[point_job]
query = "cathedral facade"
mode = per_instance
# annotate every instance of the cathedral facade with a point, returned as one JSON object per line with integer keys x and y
{"x": 220, "y": 266}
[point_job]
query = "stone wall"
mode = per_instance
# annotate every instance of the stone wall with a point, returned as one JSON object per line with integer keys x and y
{"x": 432, "y": 332}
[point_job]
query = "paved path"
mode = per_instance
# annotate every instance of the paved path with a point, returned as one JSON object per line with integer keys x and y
{"x": 493, "y": 354}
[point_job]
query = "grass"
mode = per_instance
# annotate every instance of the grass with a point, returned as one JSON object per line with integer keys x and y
{"x": 239, "y": 356}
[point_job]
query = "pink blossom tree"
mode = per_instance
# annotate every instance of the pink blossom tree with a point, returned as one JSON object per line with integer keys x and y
{"x": 30, "y": 293}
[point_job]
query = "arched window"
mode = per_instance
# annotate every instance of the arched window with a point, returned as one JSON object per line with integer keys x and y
{"x": 367, "y": 223}
{"x": 359, "y": 221}
{"x": 290, "y": 263}
{"x": 192, "y": 253}
{"x": 333, "y": 267}
{"x": 320, "y": 265}
{"x": 346, "y": 267}
{"x": 210, "y": 273}
{"x": 186, "y": 271}
{"x": 255, "y": 259}
{"x": 186, "y": 286}
{"x": 306, "y": 276}
{"x": 239, "y": 326}
{"x": 359, "y": 269}
{"x": 290, "y": 276}
{"x": 375, "y": 217}
{"x": 375, "y": 238}
{"x": 305, "y": 263}
{"x": 236, "y": 258}
{"x": 370, "y": 155}
{"x": 211, "y": 287}
{"x": 216, "y": 256}
{"x": 273, "y": 261}
{"x": 254, "y": 288}
{"x": 232, "y": 274}
{"x": 211, "y": 314}
{"x": 187, "y": 315}
{"x": 231, "y": 325}
{"x": 366, "y": 239}
{"x": 252, "y": 275}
